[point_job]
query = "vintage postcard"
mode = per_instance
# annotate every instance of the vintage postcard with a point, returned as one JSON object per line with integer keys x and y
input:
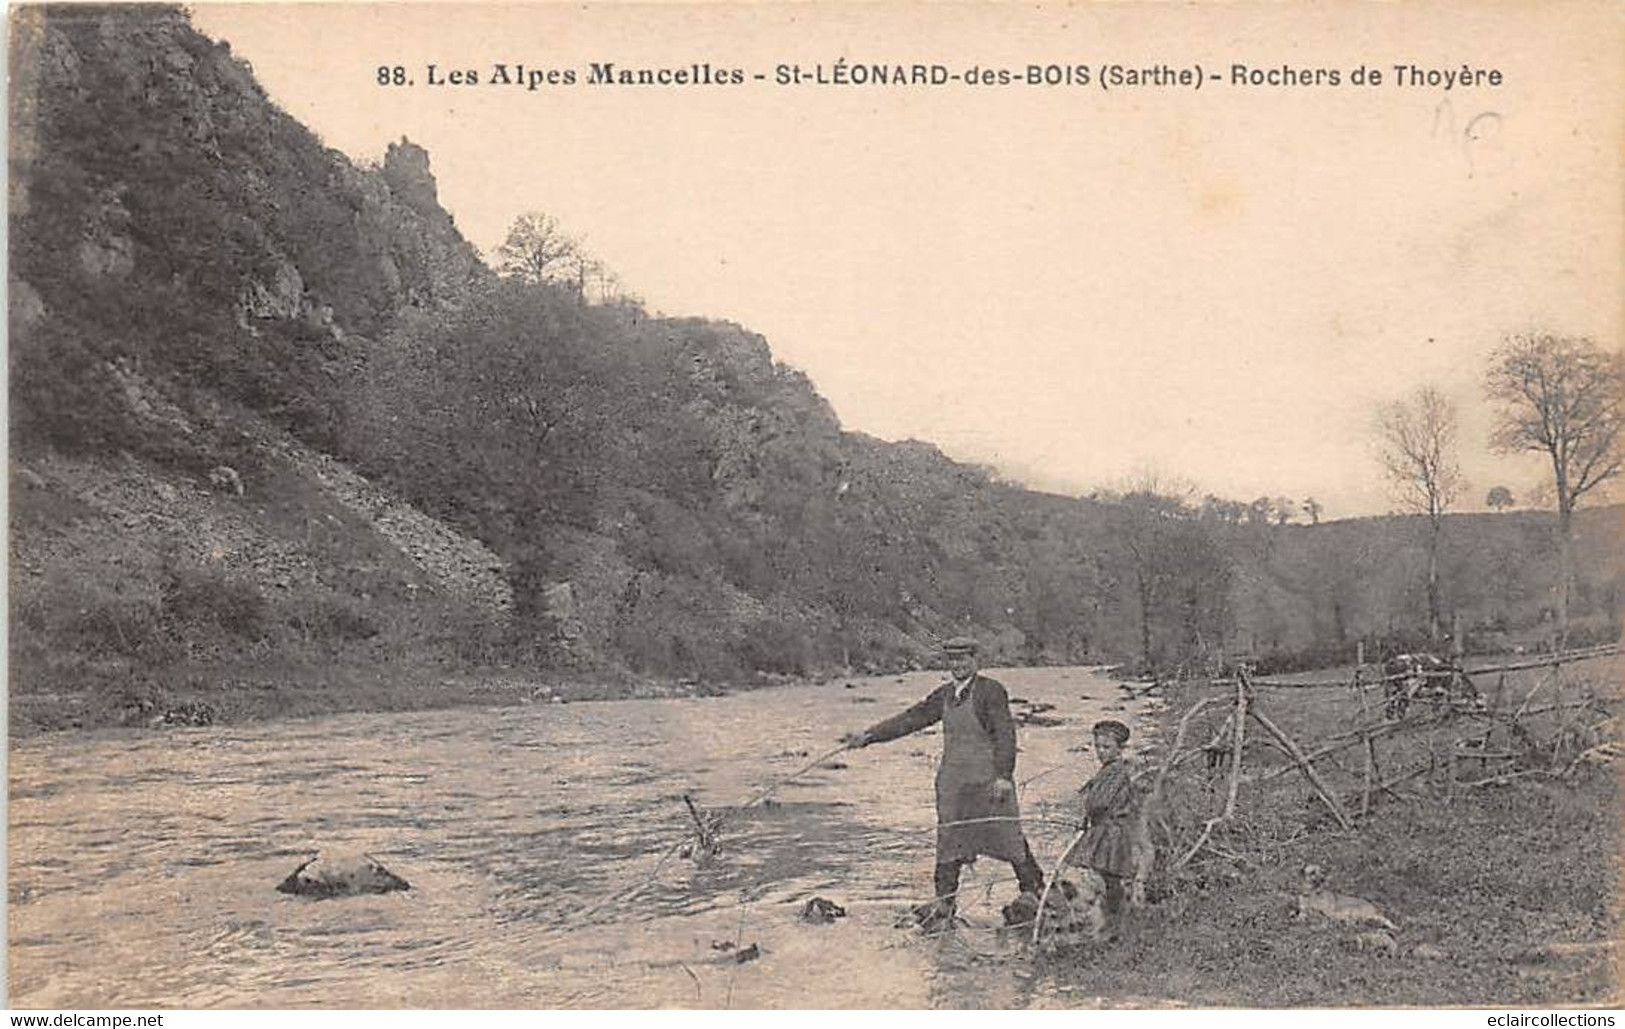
{"x": 814, "y": 505}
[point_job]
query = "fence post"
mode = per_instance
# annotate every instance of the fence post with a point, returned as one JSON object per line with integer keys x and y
{"x": 1450, "y": 784}
{"x": 1370, "y": 774}
{"x": 1359, "y": 661}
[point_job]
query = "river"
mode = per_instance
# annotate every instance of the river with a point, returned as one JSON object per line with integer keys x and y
{"x": 143, "y": 866}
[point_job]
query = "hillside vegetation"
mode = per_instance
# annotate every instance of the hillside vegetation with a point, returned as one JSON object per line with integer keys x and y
{"x": 274, "y": 419}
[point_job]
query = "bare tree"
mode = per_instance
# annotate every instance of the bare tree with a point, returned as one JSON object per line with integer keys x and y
{"x": 609, "y": 285}
{"x": 579, "y": 266}
{"x": 1499, "y": 497}
{"x": 536, "y": 250}
{"x": 1418, "y": 451}
{"x": 1561, "y": 396}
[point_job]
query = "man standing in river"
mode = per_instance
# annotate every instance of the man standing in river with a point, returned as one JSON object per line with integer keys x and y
{"x": 976, "y": 791}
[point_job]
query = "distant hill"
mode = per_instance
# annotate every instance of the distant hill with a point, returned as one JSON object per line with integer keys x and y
{"x": 1320, "y": 588}
{"x": 270, "y": 406}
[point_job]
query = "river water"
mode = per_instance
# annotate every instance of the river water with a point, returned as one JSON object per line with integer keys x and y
{"x": 142, "y": 867}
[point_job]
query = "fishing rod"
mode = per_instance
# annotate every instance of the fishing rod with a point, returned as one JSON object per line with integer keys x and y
{"x": 1023, "y": 784}
{"x": 782, "y": 781}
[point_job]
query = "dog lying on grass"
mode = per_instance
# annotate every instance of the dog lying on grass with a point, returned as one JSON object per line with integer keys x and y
{"x": 1337, "y": 907}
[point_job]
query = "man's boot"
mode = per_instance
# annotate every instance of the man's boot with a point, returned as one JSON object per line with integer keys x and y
{"x": 937, "y": 915}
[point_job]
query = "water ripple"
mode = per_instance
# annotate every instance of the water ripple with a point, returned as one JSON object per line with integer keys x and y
{"x": 143, "y": 867}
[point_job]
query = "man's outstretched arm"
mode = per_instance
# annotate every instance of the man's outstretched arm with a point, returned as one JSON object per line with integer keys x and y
{"x": 926, "y": 712}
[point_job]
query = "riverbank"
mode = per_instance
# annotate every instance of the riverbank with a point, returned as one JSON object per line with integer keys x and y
{"x": 232, "y": 695}
{"x": 1514, "y": 892}
{"x": 265, "y": 692}
{"x": 1502, "y": 894}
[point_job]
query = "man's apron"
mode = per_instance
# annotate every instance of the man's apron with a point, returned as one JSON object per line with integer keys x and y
{"x": 965, "y": 791}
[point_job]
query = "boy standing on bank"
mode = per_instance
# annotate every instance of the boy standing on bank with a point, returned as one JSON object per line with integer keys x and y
{"x": 1110, "y": 804}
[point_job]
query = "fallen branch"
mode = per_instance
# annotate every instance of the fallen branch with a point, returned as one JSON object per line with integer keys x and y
{"x": 706, "y": 829}
{"x": 1304, "y": 764}
{"x": 1241, "y": 742}
{"x": 1175, "y": 755}
{"x": 1551, "y": 661}
{"x": 1388, "y": 787}
{"x": 1370, "y": 776}
{"x": 1202, "y": 837}
{"x": 1508, "y": 777}
{"x": 1239, "y": 719}
{"x": 698, "y": 993}
{"x": 1590, "y": 702}
{"x": 1353, "y": 737}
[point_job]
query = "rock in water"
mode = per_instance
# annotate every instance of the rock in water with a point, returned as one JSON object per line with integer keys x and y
{"x": 819, "y": 911}
{"x": 341, "y": 876}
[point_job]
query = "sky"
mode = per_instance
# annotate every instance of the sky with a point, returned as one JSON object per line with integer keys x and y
{"x": 1078, "y": 287}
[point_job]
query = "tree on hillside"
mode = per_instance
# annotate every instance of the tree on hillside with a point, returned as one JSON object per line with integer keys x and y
{"x": 1312, "y": 508}
{"x": 1178, "y": 572}
{"x": 581, "y": 267}
{"x": 1149, "y": 515}
{"x": 1418, "y": 452}
{"x": 1217, "y": 508}
{"x": 1561, "y": 396}
{"x": 537, "y": 250}
{"x": 1499, "y": 497}
{"x": 609, "y": 286}
{"x": 1284, "y": 509}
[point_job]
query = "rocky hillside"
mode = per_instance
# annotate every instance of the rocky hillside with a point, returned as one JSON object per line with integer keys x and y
{"x": 271, "y": 411}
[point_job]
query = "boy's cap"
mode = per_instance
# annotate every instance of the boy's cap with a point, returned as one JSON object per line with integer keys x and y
{"x": 1113, "y": 728}
{"x": 961, "y": 645}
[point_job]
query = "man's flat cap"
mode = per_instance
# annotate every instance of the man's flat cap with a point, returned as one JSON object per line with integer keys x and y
{"x": 962, "y": 645}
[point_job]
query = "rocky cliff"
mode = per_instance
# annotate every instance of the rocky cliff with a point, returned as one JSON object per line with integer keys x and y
{"x": 269, "y": 407}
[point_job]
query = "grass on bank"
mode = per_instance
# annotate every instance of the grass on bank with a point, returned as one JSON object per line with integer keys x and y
{"x": 1492, "y": 875}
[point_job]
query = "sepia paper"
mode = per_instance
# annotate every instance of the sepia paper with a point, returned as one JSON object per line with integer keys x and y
{"x": 1088, "y": 249}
